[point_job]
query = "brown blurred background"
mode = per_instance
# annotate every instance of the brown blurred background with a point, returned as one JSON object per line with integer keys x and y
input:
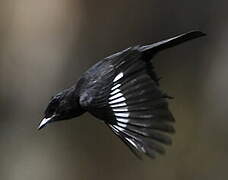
{"x": 46, "y": 45}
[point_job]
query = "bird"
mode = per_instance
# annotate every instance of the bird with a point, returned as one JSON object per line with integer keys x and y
{"x": 123, "y": 91}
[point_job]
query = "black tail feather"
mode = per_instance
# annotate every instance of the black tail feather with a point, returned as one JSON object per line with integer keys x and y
{"x": 150, "y": 50}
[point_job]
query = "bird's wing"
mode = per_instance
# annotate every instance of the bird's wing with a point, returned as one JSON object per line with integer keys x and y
{"x": 123, "y": 91}
{"x": 127, "y": 98}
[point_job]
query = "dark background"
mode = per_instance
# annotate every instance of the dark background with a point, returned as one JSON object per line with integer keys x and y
{"x": 46, "y": 45}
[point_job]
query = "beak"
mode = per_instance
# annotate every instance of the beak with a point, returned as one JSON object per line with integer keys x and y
{"x": 44, "y": 122}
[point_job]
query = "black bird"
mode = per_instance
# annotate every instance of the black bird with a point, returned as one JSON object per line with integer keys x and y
{"x": 123, "y": 91}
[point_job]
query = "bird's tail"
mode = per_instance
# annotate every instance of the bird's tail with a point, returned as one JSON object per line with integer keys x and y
{"x": 152, "y": 49}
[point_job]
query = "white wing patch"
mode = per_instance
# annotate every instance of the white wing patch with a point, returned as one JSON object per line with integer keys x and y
{"x": 122, "y": 120}
{"x": 117, "y": 102}
{"x": 122, "y": 114}
{"x": 119, "y": 105}
{"x": 115, "y": 87}
{"x": 119, "y": 76}
{"x": 116, "y": 96}
{"x": 114, "y": 92}
{"x": 124, "y": 109}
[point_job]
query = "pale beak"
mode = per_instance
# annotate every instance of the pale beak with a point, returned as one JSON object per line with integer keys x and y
{"x": 44, "y": 122}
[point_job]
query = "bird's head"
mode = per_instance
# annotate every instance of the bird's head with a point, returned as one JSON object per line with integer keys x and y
{"x": 62, "y": 106}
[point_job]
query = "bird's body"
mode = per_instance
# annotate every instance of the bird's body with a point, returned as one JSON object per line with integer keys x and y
{"x": 123, "y": 91}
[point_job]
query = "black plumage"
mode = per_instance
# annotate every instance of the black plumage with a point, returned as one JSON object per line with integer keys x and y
{"x": 123, "y": 91}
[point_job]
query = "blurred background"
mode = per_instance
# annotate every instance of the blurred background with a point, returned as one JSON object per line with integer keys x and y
{"x": 46, "y": 45}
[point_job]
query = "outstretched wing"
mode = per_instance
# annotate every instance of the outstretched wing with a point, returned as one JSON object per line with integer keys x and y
{"x": 123, "y": 91}
{"x": 127, "y": 98}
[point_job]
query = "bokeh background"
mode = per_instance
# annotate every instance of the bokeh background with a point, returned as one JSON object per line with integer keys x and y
{"x": 46, "y": 45}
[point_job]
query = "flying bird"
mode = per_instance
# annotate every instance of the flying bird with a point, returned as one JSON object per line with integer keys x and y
{"x": 123, "y": 91}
